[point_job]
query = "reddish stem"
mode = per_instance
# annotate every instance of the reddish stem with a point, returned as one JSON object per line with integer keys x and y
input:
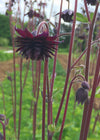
{"x": 3, "y": 99}
{"x": 54, "y": 65}
{"x": 78, "y": 58}
{"x": 35, "y": 103}
{"x": 87, "y": 12}
{"x": 87, "y": 71}
{"x": 4, "y": 134}
{"x": 14, "y": 68}
{"x": 26, "y": 74}
{"x": 20, "y": 108}
{"x": 96, "y": 119}
{"x": 44, "y": 94}
{"x": 69, "y": 63}
{"x": 66, "y": 105}
{"x": 92, "y": 97}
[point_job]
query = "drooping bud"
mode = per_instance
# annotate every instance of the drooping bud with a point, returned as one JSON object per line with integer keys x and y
{"x": 81, "y": 95}
{"x": 85, "y": 85}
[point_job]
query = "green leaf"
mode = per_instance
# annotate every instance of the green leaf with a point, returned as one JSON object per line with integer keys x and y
{"x": 9, "y": 12}
{"x": 52, "y": 128}
{"x": 81, "y": 18}
{"x": 91, "y": 15}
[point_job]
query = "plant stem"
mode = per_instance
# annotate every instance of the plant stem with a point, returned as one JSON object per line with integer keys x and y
{"x": 54, "y": 65}
{"x": 66, "y": 105}
{"x": 96, "y": 119}
{"x": 87, "y": 71}
{"x": 26, "y": 74}
{"x": 20, "y": 108}
{"x": 35, "y": 103}
{"x": 4, "y": 134}
{"x": 14, "y": 68}
{"x": 44, "y": 94}
{"x": 78, "y": 58}
{"x": 87, "y": 12}
{"x": 92, "y": 97}
{"x": 3, "y": 100}
{"x": 69, "y": 63}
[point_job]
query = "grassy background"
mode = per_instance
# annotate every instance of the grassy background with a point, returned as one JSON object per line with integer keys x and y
{"x": 73, "y": 118}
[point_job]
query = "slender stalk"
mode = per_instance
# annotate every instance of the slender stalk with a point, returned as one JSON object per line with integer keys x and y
{"x": 4, "y": 134}
{"x": 87, "y": 71}
{"x": 78, "y": 58}
{"x": 69, "y": 63}
{"x": 26, "y": 74}
{"x": 44, "y": 94}
{"x": 12, "y": 98}
{"x": 35, "y": 103}
{"x": 14, "y": 68}
{"x": 92, "y": 97}
{"x": 20, "y": 108}
{"x": 3, "y": 99}
{"x": 98, "y": 80}
{"x": 87, "y": 12}
{"x": 54, "y": 65}
{"x": 96, "y": 119}
{"x": 66, "y": 105}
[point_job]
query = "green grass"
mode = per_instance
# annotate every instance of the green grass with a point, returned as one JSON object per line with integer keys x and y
{"x": 73, "y": 120}
{"x": 5, "y": 56}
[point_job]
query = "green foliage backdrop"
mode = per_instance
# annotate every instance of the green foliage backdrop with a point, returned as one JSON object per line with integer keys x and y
{"x": 5, "y": 29}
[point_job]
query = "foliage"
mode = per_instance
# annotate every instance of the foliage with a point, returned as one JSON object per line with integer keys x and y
{"x": 4, "y": 28}
{"x": 65, "y": 29}
{"x": 4, "y": 42}
{"x": 72, "y": 123}
{"x": 5, "y": 56}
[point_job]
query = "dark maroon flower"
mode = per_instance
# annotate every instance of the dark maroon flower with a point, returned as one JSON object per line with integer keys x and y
{"x": 81, "y": 95}
{"x": 32, "y": 13}
{"x": 35, "y": 47}
{"x": 92, "y": 2}
{"x": 85, "y": 85}
{"x": 67, "y": 15}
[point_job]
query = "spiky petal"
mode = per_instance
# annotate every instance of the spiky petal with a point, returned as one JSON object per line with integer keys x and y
{"x": 35, "y": 47}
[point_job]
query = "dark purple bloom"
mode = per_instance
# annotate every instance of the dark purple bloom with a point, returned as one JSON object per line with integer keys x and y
{"x": 85, "y": 85}
{"x": 32, "y": 13}
{"x": 35, "y": 47}
{"x": 81, "y": 95}
{"x": 92, "y": 2}
{"x": 67, "y": 15}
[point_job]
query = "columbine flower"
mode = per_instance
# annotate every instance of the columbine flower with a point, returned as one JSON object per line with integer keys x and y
{"x": 67, "y": 15}
{"x": 35, "y": 47}
{"x": 81, "y": 95}
{"x": 32, "y": 13}
{"x": 92, "y": 2}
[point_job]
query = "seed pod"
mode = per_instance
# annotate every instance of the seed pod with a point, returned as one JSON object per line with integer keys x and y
{"x": 81, "y": 95}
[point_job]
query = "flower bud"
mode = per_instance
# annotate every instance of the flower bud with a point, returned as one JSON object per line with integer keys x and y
{"x": 85, "y": 85}
{"x": 81, "y": 95}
